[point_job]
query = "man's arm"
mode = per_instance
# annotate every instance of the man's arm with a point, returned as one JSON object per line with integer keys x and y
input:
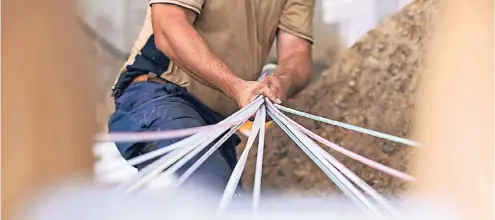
{"x": 294, "y": 70}
{"x": 176, "y": 37}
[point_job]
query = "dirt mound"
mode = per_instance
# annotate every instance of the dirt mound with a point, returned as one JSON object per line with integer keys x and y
{"x": 373, "y": 85}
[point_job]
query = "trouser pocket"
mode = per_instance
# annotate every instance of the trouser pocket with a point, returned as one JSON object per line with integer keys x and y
{"x": 121, "y": 121}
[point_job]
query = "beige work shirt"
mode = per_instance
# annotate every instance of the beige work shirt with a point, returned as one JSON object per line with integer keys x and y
{"x": 239, "y": 32}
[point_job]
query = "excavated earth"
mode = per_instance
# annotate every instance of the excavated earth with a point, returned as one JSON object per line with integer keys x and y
{"x": 373, "y": 85}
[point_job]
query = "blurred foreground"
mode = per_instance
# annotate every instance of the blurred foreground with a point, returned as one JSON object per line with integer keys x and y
{"x": 48, "y": 124}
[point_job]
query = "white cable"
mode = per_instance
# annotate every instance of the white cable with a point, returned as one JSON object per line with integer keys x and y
{"x": 171, "y": 170}
{"x": 189, "y": 156}
{"x": 183, "y": 151}
{"x": 204, "y": 157}
{"x": 239, "y": 167}
{"x": 150, "y": 155}
{"x": 322, "y": 166}
{"x": 185, "y": 142}
{"x": 162, "y": 151}
{"x": 310, "y": 148}
{"x": 359, "y": 182}
{"x": 259, "y": 162}
{"x": 364, "y": 160}
{"x": 353, "y": 177}
{"x": 350, "y": 127}
{"x": 153, "y": 169}
{"x": 146, "y": 136}
{"x": 159, "y": 165}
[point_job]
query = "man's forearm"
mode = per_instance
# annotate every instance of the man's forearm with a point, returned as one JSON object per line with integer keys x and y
{"x": 183, "y": 45}
{"x": 295, "y": 68}
{"x": 295, "y": 73}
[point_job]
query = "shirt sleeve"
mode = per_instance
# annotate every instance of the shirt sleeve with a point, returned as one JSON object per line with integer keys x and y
{"x": 297, "y": 18}
{"x": 194, "y": 5}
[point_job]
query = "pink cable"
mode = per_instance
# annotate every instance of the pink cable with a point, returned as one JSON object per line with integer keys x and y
{"x": 364, "y": 160}
{"x": 158, "y": 135}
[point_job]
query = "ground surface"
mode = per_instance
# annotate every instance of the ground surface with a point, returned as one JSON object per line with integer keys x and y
{"x": 371, "y": 85}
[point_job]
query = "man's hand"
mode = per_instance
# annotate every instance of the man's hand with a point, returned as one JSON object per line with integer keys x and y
{"x": 270, "y": 87}
{"x": 292, "y": 74}
{"x": 247, "y": 91}
{"x": 277, "y": 85}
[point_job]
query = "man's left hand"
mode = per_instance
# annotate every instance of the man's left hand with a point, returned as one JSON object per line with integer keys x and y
{"x": 277, "y": 85}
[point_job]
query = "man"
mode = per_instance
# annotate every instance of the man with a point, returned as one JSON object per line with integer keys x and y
{"x": 196, "y": 62}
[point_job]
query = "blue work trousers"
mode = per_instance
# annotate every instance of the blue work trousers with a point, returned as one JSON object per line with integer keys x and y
{"x": 150, "y": 106}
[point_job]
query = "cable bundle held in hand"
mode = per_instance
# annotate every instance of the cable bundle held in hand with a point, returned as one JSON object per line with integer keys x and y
{"x": 175, "y": 156}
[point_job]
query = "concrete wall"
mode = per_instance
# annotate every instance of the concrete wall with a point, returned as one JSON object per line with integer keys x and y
{"x": 116, "y": 21}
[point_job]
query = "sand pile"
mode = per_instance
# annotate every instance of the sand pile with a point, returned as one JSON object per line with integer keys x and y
{"x": 372, "y": 85}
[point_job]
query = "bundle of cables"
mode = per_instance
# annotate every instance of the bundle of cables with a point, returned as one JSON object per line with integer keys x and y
{"x": 199, "y": 139}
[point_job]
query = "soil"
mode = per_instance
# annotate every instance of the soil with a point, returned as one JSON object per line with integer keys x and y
{"x": 373, "y": 85}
